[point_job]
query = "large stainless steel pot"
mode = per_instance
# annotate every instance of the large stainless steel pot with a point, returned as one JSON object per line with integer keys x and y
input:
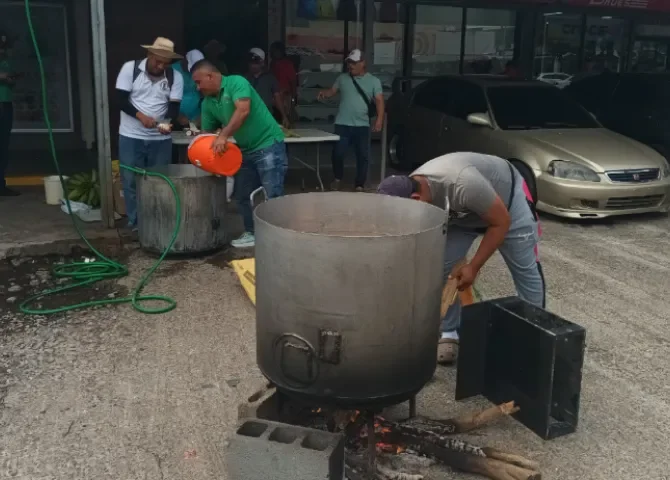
{"x": 348, "y": 290}
{"x": 203, "y": 210}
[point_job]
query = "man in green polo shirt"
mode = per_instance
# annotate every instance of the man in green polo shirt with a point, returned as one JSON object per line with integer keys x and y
{"x": 7, "y": 81}
{"x": 232, "y": 104}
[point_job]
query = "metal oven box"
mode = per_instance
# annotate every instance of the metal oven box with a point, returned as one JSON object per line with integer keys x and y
{"x": 511, "y": 350}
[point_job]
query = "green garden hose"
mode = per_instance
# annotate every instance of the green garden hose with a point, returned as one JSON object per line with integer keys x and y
{"x": 80, "y": 273}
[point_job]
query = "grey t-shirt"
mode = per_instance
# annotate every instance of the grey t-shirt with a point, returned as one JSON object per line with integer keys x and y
{"x": 266, "y": 85}
{"x": 469, "y": 182}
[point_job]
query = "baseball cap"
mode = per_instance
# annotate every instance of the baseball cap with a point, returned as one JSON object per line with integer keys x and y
{"x": 396, "y": 186}
{"x": 257, "y": 52}
{"x": 355, "y": 56}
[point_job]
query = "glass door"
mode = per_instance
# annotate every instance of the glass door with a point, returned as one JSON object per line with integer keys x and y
{"x": 650, "y": 55}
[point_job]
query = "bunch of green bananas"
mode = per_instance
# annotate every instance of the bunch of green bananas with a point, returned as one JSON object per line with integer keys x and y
{"x": 85, "y": 188}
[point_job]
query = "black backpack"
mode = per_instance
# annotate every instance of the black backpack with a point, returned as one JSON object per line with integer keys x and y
{"x": 169, "y": 73}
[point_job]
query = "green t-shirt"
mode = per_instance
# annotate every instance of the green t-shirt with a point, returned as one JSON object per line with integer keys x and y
{"x": 353, "y": 111}
{"x": 6, "y": 91}
{"x": 260, "y": 129}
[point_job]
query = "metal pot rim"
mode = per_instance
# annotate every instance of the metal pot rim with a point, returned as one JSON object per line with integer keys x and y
{"x": 258, "y": 212}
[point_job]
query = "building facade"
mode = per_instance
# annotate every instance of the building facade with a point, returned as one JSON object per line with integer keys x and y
{"x": 549, "y": 39}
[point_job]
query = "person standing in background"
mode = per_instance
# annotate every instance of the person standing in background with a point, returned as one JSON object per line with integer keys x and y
{"x": 189, "y": 110}
{"x": 284, "y": 71}
{"x": 234, "y": 109}
{"x": 214, "y": 52}
{"x": 150, "y": 92}
{"x": 361, "y": 98}
{"x": 7, "y": 82}
{"x": 266, "y": 85}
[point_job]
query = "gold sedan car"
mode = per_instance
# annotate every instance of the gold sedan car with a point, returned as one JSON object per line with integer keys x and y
{"x": 573, "y": 166}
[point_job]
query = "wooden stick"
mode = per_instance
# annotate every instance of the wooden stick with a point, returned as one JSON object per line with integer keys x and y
{"x": 450, "y": 290}
{"x": 463, "y": 424}
{"x": 460, "y": 455}
{"x": 471, "y": 422}
{"x": 511, "y": 458}
{"x": 391, "y": 475}
{"x": 470, "y": 463}
{"x": 356, "y": 469}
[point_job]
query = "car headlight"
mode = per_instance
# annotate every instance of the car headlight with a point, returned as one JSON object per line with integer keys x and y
{"x": 665, "y": 171}
{"x": 572, "y": 171}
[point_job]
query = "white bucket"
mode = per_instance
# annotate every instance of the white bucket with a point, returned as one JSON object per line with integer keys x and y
{"x": 53, "y": 190}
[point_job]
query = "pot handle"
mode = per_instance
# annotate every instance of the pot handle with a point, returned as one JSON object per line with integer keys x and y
{"x": 257, "y": 192}
{"x": 293, "y": 344}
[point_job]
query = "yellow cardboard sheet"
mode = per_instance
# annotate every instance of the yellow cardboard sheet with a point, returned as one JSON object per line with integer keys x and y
{"x": 246, "y": 272}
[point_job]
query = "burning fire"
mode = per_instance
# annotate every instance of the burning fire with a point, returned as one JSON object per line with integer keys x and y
{"x": 390, "y": 448}
{"x": 348, "y": 417}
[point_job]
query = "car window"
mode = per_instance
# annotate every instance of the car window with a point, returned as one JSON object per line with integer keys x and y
{"x": 464, "y": 99}
{"x": 642, "y": 91}
{"x": 431, "y": 94}
{"x": 593, "y": 92}
{"x": 536, "y": 107}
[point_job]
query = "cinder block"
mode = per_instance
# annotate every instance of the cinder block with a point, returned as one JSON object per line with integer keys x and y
{"x": 265, "y": 450}
{"x": 264, "y": 405}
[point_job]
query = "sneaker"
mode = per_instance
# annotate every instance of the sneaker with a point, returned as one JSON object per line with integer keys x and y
{"x": 247, "y": 240}
{"x": 335, "y": 186}
{"x": 360, "y": 189}
{"x": 447, "y": 351}
{"x": 8, "y": 192}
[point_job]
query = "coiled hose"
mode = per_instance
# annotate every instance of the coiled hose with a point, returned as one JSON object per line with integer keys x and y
{"x": 82, "y": 274}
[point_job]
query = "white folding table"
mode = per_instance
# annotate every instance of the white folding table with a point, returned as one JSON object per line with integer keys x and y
{"x": 298, "y": 135}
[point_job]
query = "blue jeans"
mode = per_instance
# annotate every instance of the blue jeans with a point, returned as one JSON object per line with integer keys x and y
{"x": 518, "y": 251}
{"x": 140, "y": 154}
{"x": 359, "y": 138}
{"x": 267, "y": 168}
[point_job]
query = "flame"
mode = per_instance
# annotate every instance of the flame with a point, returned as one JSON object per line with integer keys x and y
{"x": 390, "y": 448}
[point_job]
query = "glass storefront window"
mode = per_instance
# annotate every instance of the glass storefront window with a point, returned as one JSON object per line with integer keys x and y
{"x": 388, "y": 37}
{"x": 437, "y": 40}
{"x": 489, "y": 40}
{"x": 605, "y": 42}
{"x": 315, "y": 40}
{"x": 651, "y": 48}
{"x": 557, "y": 42}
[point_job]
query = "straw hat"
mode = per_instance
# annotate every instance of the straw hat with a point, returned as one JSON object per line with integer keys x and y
{"x": 163, "y": 47}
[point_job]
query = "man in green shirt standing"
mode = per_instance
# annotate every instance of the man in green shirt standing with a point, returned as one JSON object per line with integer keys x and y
{"x": 7, "y": 81}
{"x": 361, "y": 98}
{"x": 232, "y": 104}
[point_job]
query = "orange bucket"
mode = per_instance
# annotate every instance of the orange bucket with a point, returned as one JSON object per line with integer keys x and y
{"x": 201, "y": 155}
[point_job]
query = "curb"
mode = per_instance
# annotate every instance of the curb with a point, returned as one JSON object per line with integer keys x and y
{"x": 108, "y": 246}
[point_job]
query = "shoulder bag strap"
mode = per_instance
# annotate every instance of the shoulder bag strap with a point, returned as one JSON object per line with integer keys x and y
{"x": 360, "y": 91}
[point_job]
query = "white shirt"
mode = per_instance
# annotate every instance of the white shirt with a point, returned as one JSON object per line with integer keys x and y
{"x": 149, "y": 96}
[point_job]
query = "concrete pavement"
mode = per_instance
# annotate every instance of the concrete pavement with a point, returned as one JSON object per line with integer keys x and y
{"x": 111, "y": 394}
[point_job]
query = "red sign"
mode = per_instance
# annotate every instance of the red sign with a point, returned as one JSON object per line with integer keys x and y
{"x": 646, "y": 5}
{"x": 653, "y": 5}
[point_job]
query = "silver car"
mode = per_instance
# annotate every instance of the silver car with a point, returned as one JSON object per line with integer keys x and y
{"x": 573, "y": 166}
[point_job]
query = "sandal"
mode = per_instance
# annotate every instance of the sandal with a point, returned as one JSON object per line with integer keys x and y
{"x": 447, "y": 351}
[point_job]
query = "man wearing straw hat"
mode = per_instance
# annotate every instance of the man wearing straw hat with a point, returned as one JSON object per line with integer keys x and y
{"x": 150, "y": 92}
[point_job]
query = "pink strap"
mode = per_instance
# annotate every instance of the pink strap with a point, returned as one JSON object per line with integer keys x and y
{"x": 526, "y": 190}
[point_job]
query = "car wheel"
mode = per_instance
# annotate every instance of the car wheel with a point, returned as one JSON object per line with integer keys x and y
{"x": 396, "y": 152}
{"x": 528, "y": 176}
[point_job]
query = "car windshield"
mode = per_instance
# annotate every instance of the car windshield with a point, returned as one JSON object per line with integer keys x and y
{"x": 534, "y": 107}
